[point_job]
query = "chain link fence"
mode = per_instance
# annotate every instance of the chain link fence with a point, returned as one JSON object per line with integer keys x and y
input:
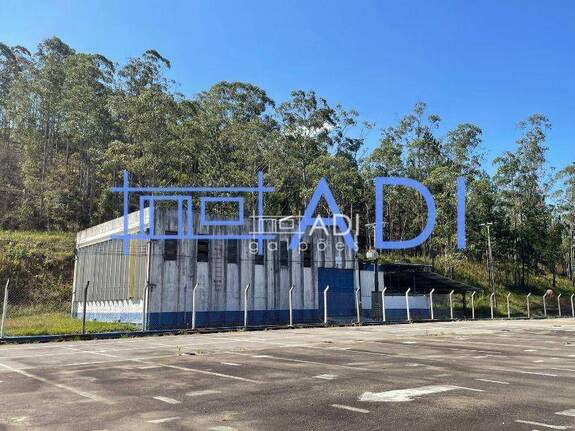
{"x": 48, "y": 311}
{"x": 37, "y": 312}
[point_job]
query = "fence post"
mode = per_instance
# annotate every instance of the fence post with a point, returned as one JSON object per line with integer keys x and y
{"x": 451, "y": 304}
{"x": 508, "y": 306}
{"x": 325, "y": 304}
{"x": 383, "y": 304}
{"x": 147, "y": 287}
{"x": 431, "y": 303}
{"x": 473, "y": 305}
{"x": 84, "y": 307}
{"x": 357, "y": 311}
{"x": 145, "y": 307}
{"x": 528, "y": 308}
{"x": 4, "y": 309}
{"x": 559, "y": 304}
{"x": 407, "y": 304}
{"x": 545, "y": 304}
{"x": 572, "y": 306}
{"x": 246, "y": 305}
{"x": 492, "y": 302}
{"x": 194, "y": 306}
{"x": 290, "y": 306}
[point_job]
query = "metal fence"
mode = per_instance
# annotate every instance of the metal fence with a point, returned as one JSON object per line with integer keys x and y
{"x": 40, "y": 312}
{"x": 25, "y": 314}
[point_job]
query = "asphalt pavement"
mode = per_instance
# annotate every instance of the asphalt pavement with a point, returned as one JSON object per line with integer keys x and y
{"x": 512, "y": 375}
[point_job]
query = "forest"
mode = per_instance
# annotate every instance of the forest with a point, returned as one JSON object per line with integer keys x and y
{"x": 72, "y": 122}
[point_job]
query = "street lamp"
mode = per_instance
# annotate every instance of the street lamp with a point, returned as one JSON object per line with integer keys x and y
{"x": 376, "y": 301}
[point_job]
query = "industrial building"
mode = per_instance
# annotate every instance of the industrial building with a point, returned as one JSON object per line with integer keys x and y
{"x": 153, "y": 284}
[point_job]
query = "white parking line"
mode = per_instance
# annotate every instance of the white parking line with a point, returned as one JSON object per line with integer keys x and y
{"x": 539, "y": 424}
{"x": 570, "y": 412}
{"x": 164, "y": 420}
{"x": 326, "y": 376}
{"x": 493, "y": 381}
{"x": 167, "y": 400}
{"x": 302, "y": 361}
{"x": 351, "y": 409}
{"x": 534, "y": 373}
{"x": 200, "y": 393}
{"x": 89, "y": 395}
{"x": 176, "y": 367}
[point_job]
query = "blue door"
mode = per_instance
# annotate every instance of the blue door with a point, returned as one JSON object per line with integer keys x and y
{"x": 340, "y": 296}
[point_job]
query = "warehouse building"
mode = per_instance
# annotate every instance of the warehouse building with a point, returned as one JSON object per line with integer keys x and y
{"x": 153, "y": 283}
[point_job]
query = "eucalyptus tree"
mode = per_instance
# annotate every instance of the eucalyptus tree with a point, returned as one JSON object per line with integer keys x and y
{"x": 523, "y": 188}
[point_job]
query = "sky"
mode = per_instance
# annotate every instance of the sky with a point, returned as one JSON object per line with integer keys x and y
{"x": 491, "y": 63}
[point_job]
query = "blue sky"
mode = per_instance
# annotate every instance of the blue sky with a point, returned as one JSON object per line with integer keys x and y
{"x": 492, "y": 63}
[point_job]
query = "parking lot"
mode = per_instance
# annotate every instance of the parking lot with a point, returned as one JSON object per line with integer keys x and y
{"x": 516, "y": 375}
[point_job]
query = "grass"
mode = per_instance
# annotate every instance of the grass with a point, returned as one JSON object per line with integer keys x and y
{"x": 58, "y": 323}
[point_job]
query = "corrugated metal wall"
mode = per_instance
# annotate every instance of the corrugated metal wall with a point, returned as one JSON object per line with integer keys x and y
{"x": 112, "y": 275}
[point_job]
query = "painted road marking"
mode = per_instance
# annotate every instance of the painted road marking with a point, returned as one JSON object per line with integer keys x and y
{"x": 167, "y": 400}
{"x": 493, "y": 381}
{"x": 302, "y": 361}
{"x": 232, "y": 364}
{"x": 325, "y": 376}
{"x": 530, "y": 350}
{"x": 222, "y": 428}
{"x": 351, "y": 409}
{"x": 89, "y": 395}
{"x": 164, "y": 420}
{"x": 200, "y": 393}
{"x": 570, "y": 412}
{"x": 402, "y": 395}
{"x": 509, "y": 370}
{"x": 539, "y": 424}
{"x": 176, "y": 367}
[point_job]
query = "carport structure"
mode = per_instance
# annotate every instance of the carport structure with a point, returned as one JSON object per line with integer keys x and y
{"x": 420, "y": 285}
{"x": 423, "y": 280}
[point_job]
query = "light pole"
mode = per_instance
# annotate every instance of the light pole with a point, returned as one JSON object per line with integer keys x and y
{"x": 490, "y": 274}
{"x": 572, "y": 253}
{"x": 376, "y": 304}
{"x": 376, "y": 301}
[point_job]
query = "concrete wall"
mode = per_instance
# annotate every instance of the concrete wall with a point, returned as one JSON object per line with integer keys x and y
{"x": 112, "y": 311}
{"x": 219, "y": 296}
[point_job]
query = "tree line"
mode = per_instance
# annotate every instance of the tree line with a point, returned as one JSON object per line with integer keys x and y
{"x": 71, "y": 122}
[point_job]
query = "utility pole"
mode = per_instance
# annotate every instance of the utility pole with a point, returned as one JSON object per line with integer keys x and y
{"x": 490, "y": 274}
{"x": 571, "y": 254}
